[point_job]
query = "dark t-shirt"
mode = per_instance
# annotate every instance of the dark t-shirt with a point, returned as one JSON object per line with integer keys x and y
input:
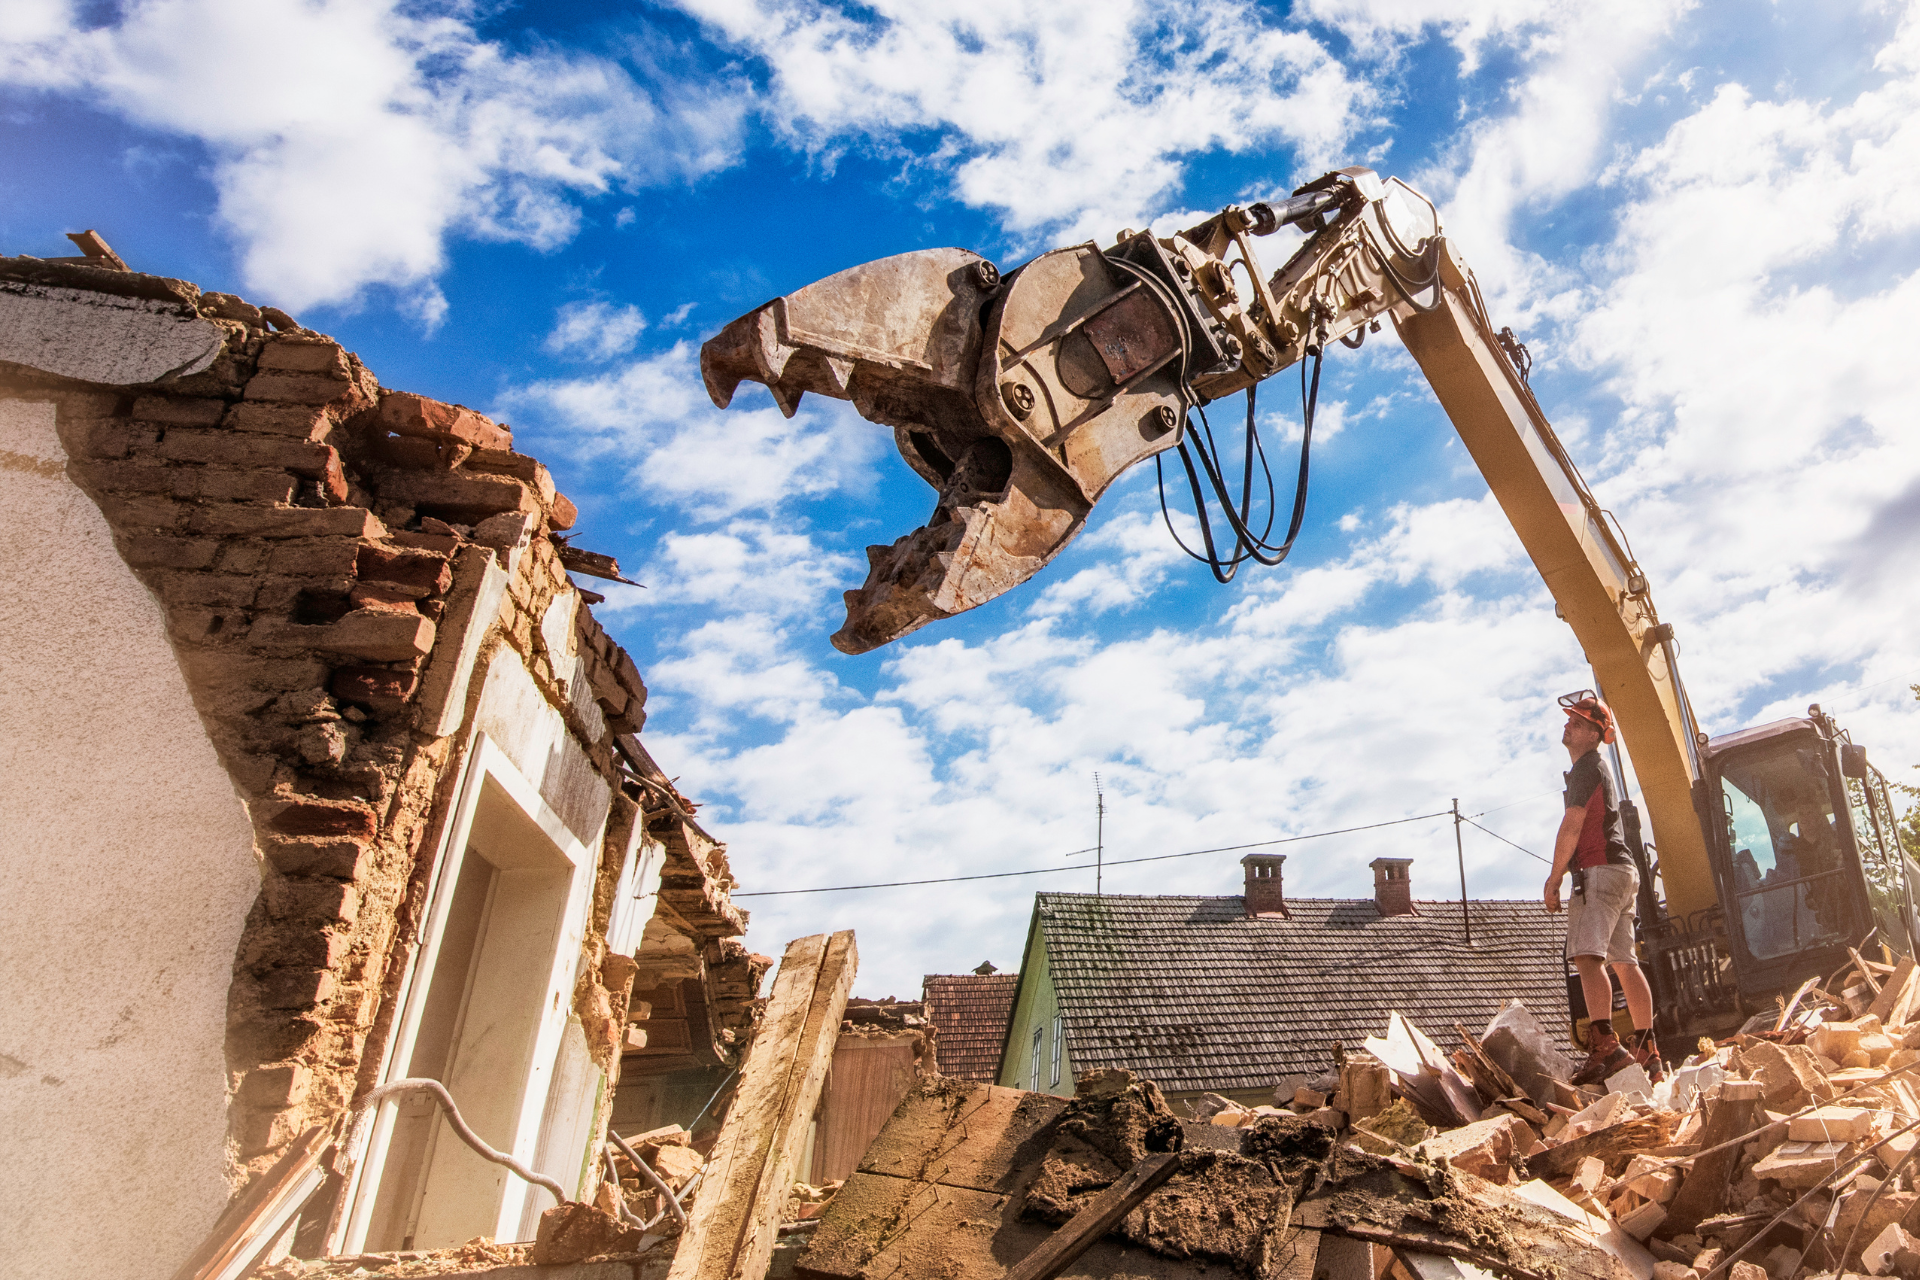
{"x": 1590, "y": 787}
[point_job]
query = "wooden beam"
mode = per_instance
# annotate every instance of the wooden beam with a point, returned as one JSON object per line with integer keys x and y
{"x": 1866, "y": 974}
{"x": 1098, "y": 1218}
{"x": 1892, "y": 992}
{"x": 1705, "y": 1190}
{"x": 730, "y": 1232}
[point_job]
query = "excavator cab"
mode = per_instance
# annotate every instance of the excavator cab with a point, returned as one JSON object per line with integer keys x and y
{"x": 1807, "y": 862}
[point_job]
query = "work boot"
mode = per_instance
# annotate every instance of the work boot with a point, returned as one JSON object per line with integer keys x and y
{"x": 1605, "y": 1055}
{"x": 1646, "y": 1052}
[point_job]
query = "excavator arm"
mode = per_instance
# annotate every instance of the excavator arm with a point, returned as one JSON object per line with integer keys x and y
{"x": 1021, "y": 397}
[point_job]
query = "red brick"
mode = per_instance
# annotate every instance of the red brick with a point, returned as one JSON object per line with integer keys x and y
{"x": 230, "y": 484}
{"x": 564, "y": 513}
{"x": 406, "y": 414}
{"x": 420, "y": 453}
{"x": 276, "y": 1085}
{"x": 125, "y": 477}
{"x": 302, "y": 422}
{"x": 332, "y": 481}
{"x": 336, "y": 859}
{"x": 380, "y": 595}
{"x": 295, "y": 988}
{"x": 292, "y": 946}
{"x": 238, "y": 449}
{"x": 160, "y": 551}
{"x": 457, "y": 496}
{"x": 325, "y": 818}
{"x": 374, "y": 634}
{"x": 323, "y": 902}
{"x": 207, "y": 590}
{"x": 179, "y": 411}
{"x": 423, "y": 572}
{"x": 312, "y": 557}
{"x": 297, "y": 388}
{"x": 289, "y": 522}
{"x": 304, "y": 355}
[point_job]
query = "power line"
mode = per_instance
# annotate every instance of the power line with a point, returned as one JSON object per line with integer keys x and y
{"x": 1503, "y": 840}
{"x": 1046, "y": 871}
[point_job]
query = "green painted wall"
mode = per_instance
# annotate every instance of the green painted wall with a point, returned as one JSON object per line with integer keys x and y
{"x": 1035, "y": 1008}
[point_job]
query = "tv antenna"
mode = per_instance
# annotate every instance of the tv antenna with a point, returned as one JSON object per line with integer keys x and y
{"x": 1099, "y": 832}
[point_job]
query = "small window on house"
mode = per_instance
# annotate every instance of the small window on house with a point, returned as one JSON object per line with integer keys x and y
{"x": 1034, "y": 1072}
{"x": 1056, "y": 1050}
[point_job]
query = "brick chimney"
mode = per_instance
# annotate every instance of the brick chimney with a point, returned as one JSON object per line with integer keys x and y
{"x": 1265, "y": 895}
{"x": 1392, "y": 886}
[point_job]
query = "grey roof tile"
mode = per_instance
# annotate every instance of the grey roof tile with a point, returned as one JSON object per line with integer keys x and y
{"x": 1189, "y": 993}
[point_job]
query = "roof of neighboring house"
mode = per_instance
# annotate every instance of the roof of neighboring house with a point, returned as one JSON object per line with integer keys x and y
{"x": 1191, "y": 994}
{"x": 969, "y": 1013}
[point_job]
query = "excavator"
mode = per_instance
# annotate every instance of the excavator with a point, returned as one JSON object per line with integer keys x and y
{"x": 1021, "y": 396}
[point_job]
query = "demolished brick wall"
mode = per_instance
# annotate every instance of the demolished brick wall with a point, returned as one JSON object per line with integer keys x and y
{"x": 318, "y": 544}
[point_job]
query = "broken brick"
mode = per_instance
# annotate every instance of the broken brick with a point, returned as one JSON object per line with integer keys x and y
{"x": 295, "y": 988}
{"x": 276, "y": 1085}
{"x": 406, "y": 414}
{"x": 305, "y": 355}
{"x": 288, "y": 522}
{"x": 299, "y": 388}
{"x": 323, "y": 818}
{"x": 322, "y": 902}
{"x": 300, "y": 422}
{"x": 423, "y": 572}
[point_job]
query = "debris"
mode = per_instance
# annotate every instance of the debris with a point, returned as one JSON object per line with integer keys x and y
{"x": 1092, "y": 1222}
{"x": 574, "y": 1232}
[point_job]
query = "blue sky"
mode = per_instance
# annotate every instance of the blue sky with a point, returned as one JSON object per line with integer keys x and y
{"x": 1702, "y": 218}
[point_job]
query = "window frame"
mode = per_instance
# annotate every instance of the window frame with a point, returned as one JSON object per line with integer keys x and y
{"x": 1057, "y": 1047}
{"x": 1033, "y": 1072}
{"x": 486, "y": 762}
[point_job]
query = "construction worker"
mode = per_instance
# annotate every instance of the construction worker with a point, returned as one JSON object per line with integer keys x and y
{"x": 1606, "y": 883}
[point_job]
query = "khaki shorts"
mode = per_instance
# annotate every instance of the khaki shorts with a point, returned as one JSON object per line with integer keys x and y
{"x": 1600, "y": 920}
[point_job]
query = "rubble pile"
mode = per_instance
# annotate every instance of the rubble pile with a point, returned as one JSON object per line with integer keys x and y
{"x": 1783, "y": 1151}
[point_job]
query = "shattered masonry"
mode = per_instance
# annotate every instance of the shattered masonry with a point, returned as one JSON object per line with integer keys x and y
{"x": 335, "y": 562}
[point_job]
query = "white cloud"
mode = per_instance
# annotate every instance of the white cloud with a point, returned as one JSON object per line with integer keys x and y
{"x": 653, "y": 414}
{"x": 1057, "y": 116}
{"x": 595, "y": 330}
{"x": 350, "y": 138}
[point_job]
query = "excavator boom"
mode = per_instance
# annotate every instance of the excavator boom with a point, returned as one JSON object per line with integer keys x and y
{"x": 1021, "y": 398}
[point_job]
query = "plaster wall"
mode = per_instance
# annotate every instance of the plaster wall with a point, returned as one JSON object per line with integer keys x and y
{"x": 126, "y": 873}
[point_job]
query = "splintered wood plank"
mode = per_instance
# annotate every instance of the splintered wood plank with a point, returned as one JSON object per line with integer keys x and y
{"x": 963, "y": 1134}
{"x": 773, "y": 1088}
{"x": 1892, "y": 992}
{"x": 1094, "y": 1221}
{"x": 800, "y": 1097}
{"x": 1704, "y": 1190}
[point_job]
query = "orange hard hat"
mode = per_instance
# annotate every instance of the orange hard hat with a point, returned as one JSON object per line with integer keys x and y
{"x": 1586, "y": 704}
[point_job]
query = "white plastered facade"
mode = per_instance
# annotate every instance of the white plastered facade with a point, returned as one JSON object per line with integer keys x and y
{"x": 126, "y": 873}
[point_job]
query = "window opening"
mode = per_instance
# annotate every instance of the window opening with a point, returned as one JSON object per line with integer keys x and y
{"x": 1057, "y": 1055}
{"x": 487, "y": 1013}
{"x": 1033, "y": 1073}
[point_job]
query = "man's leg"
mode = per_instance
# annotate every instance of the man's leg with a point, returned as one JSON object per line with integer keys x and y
{"x": 1605, "y": 1054}
{"x": 1633, "y": 985}
{"x": 1598, "y": 991}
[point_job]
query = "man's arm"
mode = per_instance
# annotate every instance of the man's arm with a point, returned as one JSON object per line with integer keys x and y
{"x": 1564, "y": 843}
